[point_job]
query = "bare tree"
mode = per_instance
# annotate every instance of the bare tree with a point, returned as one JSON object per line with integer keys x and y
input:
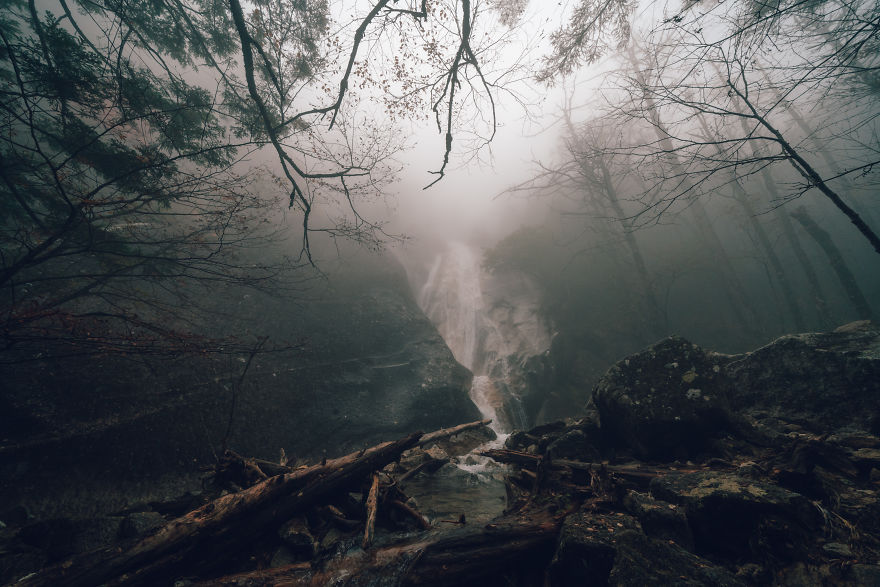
{"x": 129, "y": 130}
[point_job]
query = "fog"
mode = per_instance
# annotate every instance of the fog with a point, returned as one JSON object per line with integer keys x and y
{"x": 271, "y": 233}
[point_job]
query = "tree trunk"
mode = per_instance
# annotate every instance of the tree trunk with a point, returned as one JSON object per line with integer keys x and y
{"x": 733, "y": 288}
{"x": 447, "y": 432}
{"x": 807, "y": 171}
{"x": 838, "y": 263}
{"x": 742, "y": 198}
{"x": 655, "y": 313}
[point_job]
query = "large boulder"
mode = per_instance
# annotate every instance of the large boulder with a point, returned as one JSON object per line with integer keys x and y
{"x": 666, "y": 401}
{"x": 81, "y": 436}
{"x": 671, "y": 400}
{"x": 825, "y": 382}
{"x": 736, "y": 517}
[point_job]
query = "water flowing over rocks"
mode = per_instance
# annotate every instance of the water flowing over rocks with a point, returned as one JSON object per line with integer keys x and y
{"x": 492, "y": 324}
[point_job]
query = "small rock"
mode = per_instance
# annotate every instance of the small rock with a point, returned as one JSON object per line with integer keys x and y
{"x": 298, "y": 539}
{"x": 573, "y": 444}
{"x": 283, "y": 557}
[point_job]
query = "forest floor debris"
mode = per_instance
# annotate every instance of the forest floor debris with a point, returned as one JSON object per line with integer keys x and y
{"x": 764, "y": 499}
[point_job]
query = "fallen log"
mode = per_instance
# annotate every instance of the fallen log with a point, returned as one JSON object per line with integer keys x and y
{"x": 429, "y": 465}
{"x": 410, "y": 511}
{"x": 372, "y": 506}
{"x": 447, "y": 432}
{"x": 223, "y": 527}
{"x": 512, "y": 545}
{"x": 634, "y": 471}
{"x": 511, "y": 457}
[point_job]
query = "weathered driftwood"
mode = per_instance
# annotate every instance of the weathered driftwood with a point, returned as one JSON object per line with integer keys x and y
{"x": 467, "y": 554}
{"x": 372, "y": 506}
{"x": 412, "y": 513}
{"x": 223, "y": 527}
{"x": 447, "y": 432}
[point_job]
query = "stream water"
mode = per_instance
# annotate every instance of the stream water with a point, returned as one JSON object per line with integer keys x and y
{"x": 484, "y": 330}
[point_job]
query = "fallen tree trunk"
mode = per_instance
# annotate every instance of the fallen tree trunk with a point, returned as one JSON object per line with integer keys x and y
{"x": 513, "y": 544}
{"x": 447, "y": 432}
{"x": 429, "y": 465}
{"x": 372, "y": 505}
{"x": 634, "y": 471}
{"x": 223, "y": 527}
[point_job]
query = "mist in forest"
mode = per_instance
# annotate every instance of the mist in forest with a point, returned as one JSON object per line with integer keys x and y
{"x": 244, "y": 213}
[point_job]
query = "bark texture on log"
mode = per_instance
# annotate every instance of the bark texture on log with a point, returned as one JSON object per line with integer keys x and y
{"x": 223, "y": 527}
{"x": 447, "y": 432}
{"x": 372, "y": 506}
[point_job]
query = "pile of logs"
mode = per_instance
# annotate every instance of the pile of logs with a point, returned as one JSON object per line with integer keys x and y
{"x": 207, "y": 541}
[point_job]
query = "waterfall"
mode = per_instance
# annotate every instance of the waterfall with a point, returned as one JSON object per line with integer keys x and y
{"x": 452, "y": 300}
{"x": 491, "y": 324}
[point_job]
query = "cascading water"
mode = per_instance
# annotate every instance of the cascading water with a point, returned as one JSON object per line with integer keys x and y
{"x": 491, "y": 325}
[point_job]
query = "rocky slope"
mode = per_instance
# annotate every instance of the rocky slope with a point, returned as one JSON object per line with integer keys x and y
{"x": 710, "y": 469}
{"x": 688, "y": 467}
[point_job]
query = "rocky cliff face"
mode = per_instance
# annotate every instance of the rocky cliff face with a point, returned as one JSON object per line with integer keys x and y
{"x": 81, "y": 436}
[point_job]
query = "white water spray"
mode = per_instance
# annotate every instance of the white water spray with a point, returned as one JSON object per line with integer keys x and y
{"x": 489, "y": 324}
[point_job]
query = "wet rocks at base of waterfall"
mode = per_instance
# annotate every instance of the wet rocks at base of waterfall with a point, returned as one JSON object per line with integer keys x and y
{"x": 696, "y": 468}
{"x": 664, "y": 402}
{"x": 772, "y": 494}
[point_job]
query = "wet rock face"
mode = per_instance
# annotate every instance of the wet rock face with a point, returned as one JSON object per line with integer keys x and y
{"x": 735, "y": 517}
{"x": 671, "y": 399}
{"x": 820, "y": 380}
{"x": 666, "y": 401}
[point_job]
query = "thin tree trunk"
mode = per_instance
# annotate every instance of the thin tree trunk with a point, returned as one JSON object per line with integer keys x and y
{"x": 819, "y": 144}
{"x": 739, "y": 300}
{"x": 818, "y": 296}
{"x": 820, "y": 301}
{"x": 838, "y": 263}
{"x": 809, "y": 173}
{"x": 655, "y": 314}
{"x": 742, "y": 198}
